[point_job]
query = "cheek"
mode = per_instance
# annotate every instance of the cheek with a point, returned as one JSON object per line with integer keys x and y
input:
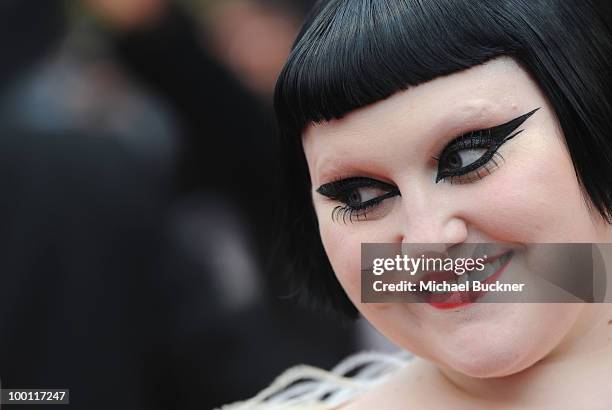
{"x": 343, "y": 247}
{"x": 342, "y": 243}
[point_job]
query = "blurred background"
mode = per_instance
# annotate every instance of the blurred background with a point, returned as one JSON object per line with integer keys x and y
{"x": 139, "y": 181}
{"x": 140, "y": 193}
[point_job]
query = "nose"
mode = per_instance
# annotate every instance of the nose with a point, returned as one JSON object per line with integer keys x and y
{"x": 426, "y": 219}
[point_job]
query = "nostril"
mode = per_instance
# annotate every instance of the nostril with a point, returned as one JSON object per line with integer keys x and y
{"x": 451, "y": 231}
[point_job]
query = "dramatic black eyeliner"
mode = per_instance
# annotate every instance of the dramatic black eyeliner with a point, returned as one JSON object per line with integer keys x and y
{"x": 347, "y": 192}
{"x": 490, "y": 139}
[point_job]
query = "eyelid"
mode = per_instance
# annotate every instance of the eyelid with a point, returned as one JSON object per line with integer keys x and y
{"x": 333, "y": 189}
{"x": 494, "y": 134}
{"x": 472, "y": 140}
{"x": 476, "y": 165}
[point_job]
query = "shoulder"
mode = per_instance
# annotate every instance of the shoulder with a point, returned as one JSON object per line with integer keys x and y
{"x": 310, "y": 388}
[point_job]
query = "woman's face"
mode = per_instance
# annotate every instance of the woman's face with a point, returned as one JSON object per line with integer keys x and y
{"x": 405, "y": 149}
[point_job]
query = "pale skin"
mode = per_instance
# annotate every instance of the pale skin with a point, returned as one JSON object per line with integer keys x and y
{"x": 489, "y": 356}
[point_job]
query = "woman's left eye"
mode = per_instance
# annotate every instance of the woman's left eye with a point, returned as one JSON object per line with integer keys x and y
{"x": 467, "y": 163}
{"x": 460, "y": 159}
{"x": 474, "y": 155}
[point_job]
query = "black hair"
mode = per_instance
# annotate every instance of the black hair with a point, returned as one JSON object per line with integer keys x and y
{"x": 353, "y": 53}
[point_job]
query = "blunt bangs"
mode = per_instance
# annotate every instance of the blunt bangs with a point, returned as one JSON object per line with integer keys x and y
{"x": 353, "y": 53}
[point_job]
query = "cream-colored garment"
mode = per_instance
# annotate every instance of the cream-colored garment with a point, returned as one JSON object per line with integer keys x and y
{"x": 309, "y": 388}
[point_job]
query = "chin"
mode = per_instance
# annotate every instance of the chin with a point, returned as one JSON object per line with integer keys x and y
{"x": 505, "y": 343}
{"x": 490, "y": 355}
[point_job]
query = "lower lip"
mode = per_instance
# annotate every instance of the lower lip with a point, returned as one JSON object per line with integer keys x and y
{"x": 459, "y": 299}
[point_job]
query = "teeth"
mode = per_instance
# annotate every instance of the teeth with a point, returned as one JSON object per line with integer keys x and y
{"x": 476, "y": 275}
{"x": 490, "y": 269}
{"x": 435, "y": 292}
{"x": 480, "y": 275}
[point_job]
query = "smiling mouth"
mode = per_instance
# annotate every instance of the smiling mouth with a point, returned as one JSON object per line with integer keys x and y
{"x": 493, "y": 268}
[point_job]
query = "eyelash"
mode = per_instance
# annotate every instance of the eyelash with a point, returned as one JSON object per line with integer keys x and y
{"x": 495, "y": 137}
{"x": 341, "y": 190}
{"x": 469, "y": 177}
{"x": 472, "y": 141}
{"x": 340, "y": 213}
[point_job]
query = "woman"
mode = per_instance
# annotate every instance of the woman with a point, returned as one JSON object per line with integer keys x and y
{"x": 438, "y": 121}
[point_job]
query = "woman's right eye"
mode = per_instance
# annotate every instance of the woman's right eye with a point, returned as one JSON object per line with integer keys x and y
{"x": 359, "y": 196}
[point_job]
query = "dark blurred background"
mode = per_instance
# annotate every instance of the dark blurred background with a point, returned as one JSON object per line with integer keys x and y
{"x": 140, "y": 193}
{"x": 140, "y": 186}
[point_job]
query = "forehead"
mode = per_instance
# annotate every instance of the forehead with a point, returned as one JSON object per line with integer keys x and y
{"x": 479, "y": 97}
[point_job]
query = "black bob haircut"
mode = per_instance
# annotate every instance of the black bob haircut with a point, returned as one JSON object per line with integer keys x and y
{"x": 353, "y": 53}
